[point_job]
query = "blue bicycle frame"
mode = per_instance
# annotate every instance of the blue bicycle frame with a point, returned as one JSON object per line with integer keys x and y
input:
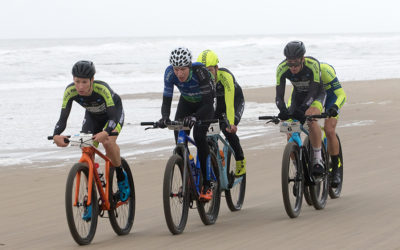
{"x": 183, "y": 139}
{"x": 223, "y": 168}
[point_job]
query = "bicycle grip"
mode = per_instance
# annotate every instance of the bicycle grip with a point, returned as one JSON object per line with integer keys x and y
{"x": 147, "y": 124}
{"x": 51, "y": 137}
{"x": 266, "y": 117}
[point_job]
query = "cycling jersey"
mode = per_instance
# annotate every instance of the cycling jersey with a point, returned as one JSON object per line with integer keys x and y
{"x": 199, "y": 87}
{"x": 102, "y": 104}
{"x": 334, "y": 91}
{"x": 307, "y": 85}
{"x": 230, "y": 99}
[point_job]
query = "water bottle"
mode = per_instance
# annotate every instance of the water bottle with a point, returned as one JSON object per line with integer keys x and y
{"x": 101, "y": 174}
{"x": 221, "y": 153}
{"x": 191, "y": 160}
{"x": 192, "y": 165}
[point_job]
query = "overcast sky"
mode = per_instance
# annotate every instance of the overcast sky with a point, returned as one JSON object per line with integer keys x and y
{"x": 127, "y": 18}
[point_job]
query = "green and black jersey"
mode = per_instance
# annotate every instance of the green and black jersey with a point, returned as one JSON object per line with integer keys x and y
{"x": 307, "y": 84}
{"x": 103, "y": 104}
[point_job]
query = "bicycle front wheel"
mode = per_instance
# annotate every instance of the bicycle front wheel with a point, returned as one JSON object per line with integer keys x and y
{"x": 209, "y": 210}
{"x": 82, "y": 218}
{"x": 335, "y": 192}
{"x": 237, "y": 186}
{"x": 176, "y": 203}
{"x": 292, "y": 180}
{"x": 122, "y": 213}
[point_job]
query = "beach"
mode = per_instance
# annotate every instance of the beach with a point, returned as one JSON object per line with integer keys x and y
{"x": 364, "y": 217}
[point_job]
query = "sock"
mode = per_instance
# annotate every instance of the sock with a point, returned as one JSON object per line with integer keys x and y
{"x": 317, "y": 154}
{"x": 335, "y": 161}
{"x": 120, "y": 174}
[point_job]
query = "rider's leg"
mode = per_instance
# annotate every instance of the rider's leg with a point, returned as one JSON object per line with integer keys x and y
{"x": 333, "y": 149}
{"x": 199, "y": 136}
{"x": 333, "y": 143}
{"x": 315, "y": 136}
{"x": 315, "y": 130}
{"x": 112, "y": 150}
{"x": 234, "y": 141}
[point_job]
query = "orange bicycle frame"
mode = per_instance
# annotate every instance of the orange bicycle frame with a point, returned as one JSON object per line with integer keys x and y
{"x": 87, "y": 157}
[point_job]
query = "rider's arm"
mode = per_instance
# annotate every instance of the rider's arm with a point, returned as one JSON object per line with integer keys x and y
{"x": 168, "y": 92}
{"x": 69, "y": 93}
{"x": 280, "y": 86}
{"x": 239, "y": 104}
{"x": 341, "y": 97}
{"x": 207, "y": 92}
{"x": 331, "y": 83}
{"x": 229, "y": 89}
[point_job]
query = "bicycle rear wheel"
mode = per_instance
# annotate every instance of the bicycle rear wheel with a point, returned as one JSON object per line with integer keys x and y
{"x": 122, "y": 213}
{"x": 209, "y": 210}
{"x": 292, "y": 180}
{"x": 82, "y": 221}
{"x": 176, "y": 203}
{"x": 237, "y": 186}
{"x": 319, "y": 191}
{"x": 335, "y": 192}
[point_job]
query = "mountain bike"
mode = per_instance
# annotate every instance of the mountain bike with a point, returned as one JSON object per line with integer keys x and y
{"x": 81, "y": 203}
{"x": 183, "y": 181}
{"x": 234, "y": 187}
{"x": 296, "y": 177}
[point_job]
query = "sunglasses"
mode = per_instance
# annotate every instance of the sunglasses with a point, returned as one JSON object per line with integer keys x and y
{"x": 293, "y": 64}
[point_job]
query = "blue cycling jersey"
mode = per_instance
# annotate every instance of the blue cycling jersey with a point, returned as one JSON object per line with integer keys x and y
{"x": 191, "y": 89}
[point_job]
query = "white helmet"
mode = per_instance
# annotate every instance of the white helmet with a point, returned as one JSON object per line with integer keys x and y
{"x": 181, "y": 57}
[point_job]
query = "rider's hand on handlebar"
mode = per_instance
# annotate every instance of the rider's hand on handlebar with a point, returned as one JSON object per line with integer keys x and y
{"x": 283, "y": 115}
{"x": 232, "y": 130}
{"x": 59, "y": 140}
{"x": 333, "y": 111}
{"x": 189, "y": 121}
{"x": 162, "y": 123}
{"x": 299, "y": 115}
{"x": 101, "y": 137}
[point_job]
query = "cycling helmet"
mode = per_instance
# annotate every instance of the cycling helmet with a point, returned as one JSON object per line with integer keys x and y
{"x": 83, "y": 69}
{"x": 294, "y": 50}
{"x": 181, "y": 57}
{"x": 208, "y": 58}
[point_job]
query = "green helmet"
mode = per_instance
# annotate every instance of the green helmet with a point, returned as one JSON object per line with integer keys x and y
{"x": 208, "y": 58}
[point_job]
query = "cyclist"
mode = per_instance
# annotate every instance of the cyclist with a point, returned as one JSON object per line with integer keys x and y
{"x": 308, "y": 94}
{"x": 230, "y": 100}
{"x": 195, "y": 103}
{"x": 104, "y": 114}
{"x": 336, "y": 97}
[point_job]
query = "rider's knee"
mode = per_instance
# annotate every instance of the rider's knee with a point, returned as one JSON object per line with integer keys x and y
{"x": 109, "y": 144}
{"x": 330, "y": 131}
{"x": 313, "y": 111}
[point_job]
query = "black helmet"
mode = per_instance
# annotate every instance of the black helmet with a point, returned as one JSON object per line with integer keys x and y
{"x": 83, "y": 69}
{"x": 294, "y": 50}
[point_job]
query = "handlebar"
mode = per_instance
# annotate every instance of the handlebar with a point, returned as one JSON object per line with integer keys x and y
{"x": 51, "y": 137}
{"x": 276, "y": 120}
{"x": 177, "y": 123}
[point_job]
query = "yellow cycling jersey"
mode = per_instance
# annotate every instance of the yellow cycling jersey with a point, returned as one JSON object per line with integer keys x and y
{"x": 226, "y": 87}
{"x": 332, "y": 86}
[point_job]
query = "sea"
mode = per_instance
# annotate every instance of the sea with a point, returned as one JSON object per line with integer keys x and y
{"x": 34, "y": 74}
